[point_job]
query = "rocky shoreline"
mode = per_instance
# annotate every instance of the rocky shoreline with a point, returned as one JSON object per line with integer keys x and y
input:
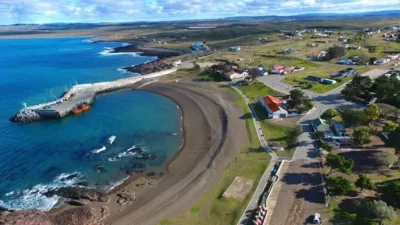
{"x": 151, "y": 67}
{"x": 145, "y": 50}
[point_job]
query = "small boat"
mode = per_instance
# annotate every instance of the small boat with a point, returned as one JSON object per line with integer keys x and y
{"x": 76, "y": 111}
{"x": 85, "y": 107}
{"x": 111, "y": 139}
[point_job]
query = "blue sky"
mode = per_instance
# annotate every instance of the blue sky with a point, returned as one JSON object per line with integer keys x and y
{"x": 47, "y": 11}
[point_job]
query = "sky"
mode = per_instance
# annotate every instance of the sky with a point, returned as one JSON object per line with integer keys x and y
{"x": 49, "y": 11}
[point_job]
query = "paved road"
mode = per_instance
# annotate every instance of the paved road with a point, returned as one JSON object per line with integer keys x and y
{"x": 302, "y": 185}
{"x": 322, "y": 102}
{"x": 253, "y": 204}
{"x": 300, "y": 196}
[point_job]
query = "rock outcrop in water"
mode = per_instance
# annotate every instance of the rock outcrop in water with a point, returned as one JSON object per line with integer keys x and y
{"x": 24, "y": 116}
{"x": 76, "y": 216}
{"x": 148, "y": 68}
{"x": 77, "y": 193}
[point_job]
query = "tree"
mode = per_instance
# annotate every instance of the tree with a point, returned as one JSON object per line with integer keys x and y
{"x": 363, "y": 59}
{"x": 335, "y": 52}
{"x": 329, "y": 114}
{"x": 337, "y": 185}
{"x": 338, "y": 163}
{"x": 352, "y": 117}
{"x": 320, "y": 135}
{"x": 364, "y": 182}
{"x": 387, "y": 159}
{"x": 361, "y": 136}
{"x": 372, "y": 112}
{"x": 298, "y": 100}
{"x": 293, "y": 135}
{"x": 390, "y": 126}
{"x": 391, "y": 193}
{"x": 327, "y": 147}
{"x": 394, "y": 138}
{"x": 377, "y": 210}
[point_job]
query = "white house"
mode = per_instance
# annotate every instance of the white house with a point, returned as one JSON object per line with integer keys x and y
{"x": 274, "y": 107}
{"x": 235, "y": 74}
{"x": 177, "y": 63}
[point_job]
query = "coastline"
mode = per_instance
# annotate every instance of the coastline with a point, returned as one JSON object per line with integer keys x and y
{"x": 196, "y": 167}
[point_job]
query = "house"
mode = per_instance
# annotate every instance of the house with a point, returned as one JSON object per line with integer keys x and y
{"x": 320, "y": 125}
{"x": 198, "y": 47}
{"x": 234, "y": 49}
{"x": 288, "y": 51}
{"x": 261, "y": 71}
{"x": 345, "y": 73}
{"x": 328, "y": 81}
{"x": 393, "y": 74}
{"x": 343, "y": 39}
{"x": 312, "y": 44}
{"x": 274, "y": 107}
{"x": 346, "y": 62}
{"x": 338, "y": 128}
{"x": 381, "y": 61}
{"x": 329, "y": 31}
{"x": 314, "y": 78}
{"x": 318, "y": 55}
{"x": 231, "y": 74}
{"x": 278, "y": 67}
{"x": 177, "y": 63}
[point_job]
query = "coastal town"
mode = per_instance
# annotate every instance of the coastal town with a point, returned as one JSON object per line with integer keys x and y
{"x": 284, "y": 123}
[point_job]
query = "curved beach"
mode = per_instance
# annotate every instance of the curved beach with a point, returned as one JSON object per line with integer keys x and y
{"x": 213, "y": 136}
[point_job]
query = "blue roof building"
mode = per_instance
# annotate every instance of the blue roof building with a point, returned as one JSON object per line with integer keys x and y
{"x": 234, "y": 48}
{"x": 198, "y": 47}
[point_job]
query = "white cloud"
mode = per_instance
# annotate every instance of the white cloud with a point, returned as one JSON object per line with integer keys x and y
{"x": 30, "y": 11}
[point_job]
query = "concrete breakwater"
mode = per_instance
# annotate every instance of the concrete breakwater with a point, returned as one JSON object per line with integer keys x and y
{"x": 77, "y": 96}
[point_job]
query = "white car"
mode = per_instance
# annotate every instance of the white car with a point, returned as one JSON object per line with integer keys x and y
{"x": 316, "y": 218}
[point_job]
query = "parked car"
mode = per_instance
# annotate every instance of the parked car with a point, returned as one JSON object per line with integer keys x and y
{"x": 317, "y": 218}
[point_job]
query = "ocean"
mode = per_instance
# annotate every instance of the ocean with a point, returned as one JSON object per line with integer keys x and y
{"x": 78, "y": 149}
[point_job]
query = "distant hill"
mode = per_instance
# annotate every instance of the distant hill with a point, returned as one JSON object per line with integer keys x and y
{"x": 395, "y": 13}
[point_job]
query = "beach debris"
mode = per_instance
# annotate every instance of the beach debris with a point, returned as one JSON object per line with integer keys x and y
{"x": 125, "y": 198}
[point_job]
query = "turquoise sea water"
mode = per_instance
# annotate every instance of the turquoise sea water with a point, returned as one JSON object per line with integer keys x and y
{"x": 76, "y": 150}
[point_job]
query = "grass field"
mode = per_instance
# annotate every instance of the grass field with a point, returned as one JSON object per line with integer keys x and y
{"x": 256, "y": 90}
{"x": 298, "y": 79}
{"x": 214, "y": 209}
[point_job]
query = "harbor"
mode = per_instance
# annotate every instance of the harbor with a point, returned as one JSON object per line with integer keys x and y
{"x": 78, "y": 99}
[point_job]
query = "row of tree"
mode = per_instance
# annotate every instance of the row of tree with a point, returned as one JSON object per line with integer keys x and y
{"x": 385, "y": 89}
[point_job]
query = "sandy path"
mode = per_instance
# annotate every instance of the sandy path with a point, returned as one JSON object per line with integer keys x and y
{"x": 214, "y": 135}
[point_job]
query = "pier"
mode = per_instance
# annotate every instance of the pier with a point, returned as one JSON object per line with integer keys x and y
{"x": 78, "y": 95}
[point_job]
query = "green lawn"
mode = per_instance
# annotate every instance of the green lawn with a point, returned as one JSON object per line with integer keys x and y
{"x": 214, "y": 209}
{"x": 256, "y": 90}
{"x": 298, "y": 79}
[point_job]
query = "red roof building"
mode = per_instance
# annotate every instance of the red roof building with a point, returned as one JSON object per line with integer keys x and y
{"x": 274, "y": 107}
